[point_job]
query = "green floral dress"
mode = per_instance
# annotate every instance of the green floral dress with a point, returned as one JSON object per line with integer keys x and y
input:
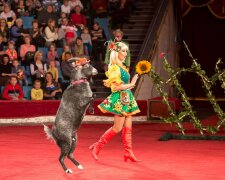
{"x": 118, "y": 102}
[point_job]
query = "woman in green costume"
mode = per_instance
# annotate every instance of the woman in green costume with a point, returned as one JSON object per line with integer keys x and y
{"x": 121, "y": 102}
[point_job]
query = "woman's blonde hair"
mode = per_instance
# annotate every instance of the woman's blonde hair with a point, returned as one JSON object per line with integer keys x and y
{"x": 37, "y": 54}
{"x": 113, "y": 59}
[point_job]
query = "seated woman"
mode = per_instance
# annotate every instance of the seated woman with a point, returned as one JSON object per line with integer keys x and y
{"x": 9, "y": 15}
{"x": 25, "y": 49}
{"x": 53, "y": 55}
{"x": 13, "y": 90}
{"x": 17, "y": 32}
{"x": 36, "y": 35}
{"x": 52, "y": 89}
{"x": 38, "y": 68}
{"x": 4, "y": 31}
{"x": 51, "y": 34}
{"x": 5, "y": 70}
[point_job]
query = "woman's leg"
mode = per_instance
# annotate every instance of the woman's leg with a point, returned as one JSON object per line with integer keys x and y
{"x": 109, "y": 134}
{"x": 127, "y": 140}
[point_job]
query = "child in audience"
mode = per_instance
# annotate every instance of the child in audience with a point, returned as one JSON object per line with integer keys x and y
{"x": 53, "y": 55}
{"x": 36, "y": 91}
{"x": 13, "y": 91}
{"x": 62, "y": 16}
{"x": 53, "y": 70}
{"x": 66, "y": 8}
{"x": 79, "y": 47}
{"x": 19, "y": 72}
{"x": 11, "y": 52}
{"x": 66, "y": 48}
{"x": 86, "y": 37}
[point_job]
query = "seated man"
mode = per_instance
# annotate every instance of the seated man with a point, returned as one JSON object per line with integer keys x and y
{"x": 13, "y": 90}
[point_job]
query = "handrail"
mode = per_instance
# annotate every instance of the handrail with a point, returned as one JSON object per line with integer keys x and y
{"x": 150, "y": 39}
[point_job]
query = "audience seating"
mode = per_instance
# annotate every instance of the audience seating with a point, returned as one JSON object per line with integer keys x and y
{"x": 27, "y": 21}
{"x": 27, "y": 92}
{"x": 60, "y": 51}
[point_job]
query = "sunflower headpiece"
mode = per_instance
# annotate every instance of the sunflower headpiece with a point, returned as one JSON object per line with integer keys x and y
{"x": 143, "y": 67}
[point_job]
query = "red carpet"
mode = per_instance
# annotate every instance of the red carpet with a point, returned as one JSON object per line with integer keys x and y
{"x": 26, "y": 154}
{"x": 21, "y": 109}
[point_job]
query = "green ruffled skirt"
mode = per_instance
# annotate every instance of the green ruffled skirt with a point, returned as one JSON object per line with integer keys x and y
{"x": 113, "y": 104}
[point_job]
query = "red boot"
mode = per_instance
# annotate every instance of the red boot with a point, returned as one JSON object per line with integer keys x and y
{"x": 96, "y": 147}
{"x": 127, "y": 142}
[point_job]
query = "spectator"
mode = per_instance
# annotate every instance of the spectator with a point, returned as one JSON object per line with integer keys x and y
{"x": 25, "y": 49}
{"x": 52, "y": 89}
{"x": 66, "y": 66}
{"x": 13, "y": 90}
{"x": 51, "y": 33}
{"x": 8, "y": 15}
{"x": 79, "y": 48}
{"x": 36, "y": 91}
{"x": 118, "y": 36}
{"x": 66, "y": 31}
{"x": 5, "y": 70}
{"x": 74, "y": 3}
{"x": 78, "y": 19}
{"x": 36, "y": 34}
{"x": 18, "y": 33}
{"x": 53, "y": 55}
{"x": 11, "y": 52}
{"x": 2, "y": 3}
{"x": 53, "y": 3}
{"x": 86, "y": 37}
{"x": 21, "y": 9}
{"x": 100, "y": 8}
{"x": 52, "y": 69}
{"x": 19, "y": 72}
{"x": 38, "y": 68}
{"x": 62, "y": 16}
{"x": 66, "y": 48}
{"x": 4, "y": 31}
{"x": 98, "y": 39}
{"x": 1, "y": 46}
{"x": 14, "y": 4}
{"x": 66, "y": 8}
{"x": 70, "y": 38}
{"x": 45, "y": 14}
{"x": 33, "y": 7}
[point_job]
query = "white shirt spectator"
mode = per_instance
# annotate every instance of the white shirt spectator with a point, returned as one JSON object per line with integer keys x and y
{"x": 86, "y": 38}
{"x": 74, "y": 3}
{"x": 49, "y": 35}
{"x": 66, "y": 9}
{"x": 10, "y": 14}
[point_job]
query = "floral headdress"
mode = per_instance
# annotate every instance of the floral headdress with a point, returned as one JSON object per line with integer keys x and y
{"x": 113, "y": 46}
{"x": 79, "y": 61}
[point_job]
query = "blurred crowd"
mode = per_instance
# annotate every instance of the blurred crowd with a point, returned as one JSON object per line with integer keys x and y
{"x": 36, "y": 54}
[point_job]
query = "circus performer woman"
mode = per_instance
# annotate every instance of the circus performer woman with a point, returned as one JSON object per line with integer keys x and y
{"x": 121, "y": 102}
